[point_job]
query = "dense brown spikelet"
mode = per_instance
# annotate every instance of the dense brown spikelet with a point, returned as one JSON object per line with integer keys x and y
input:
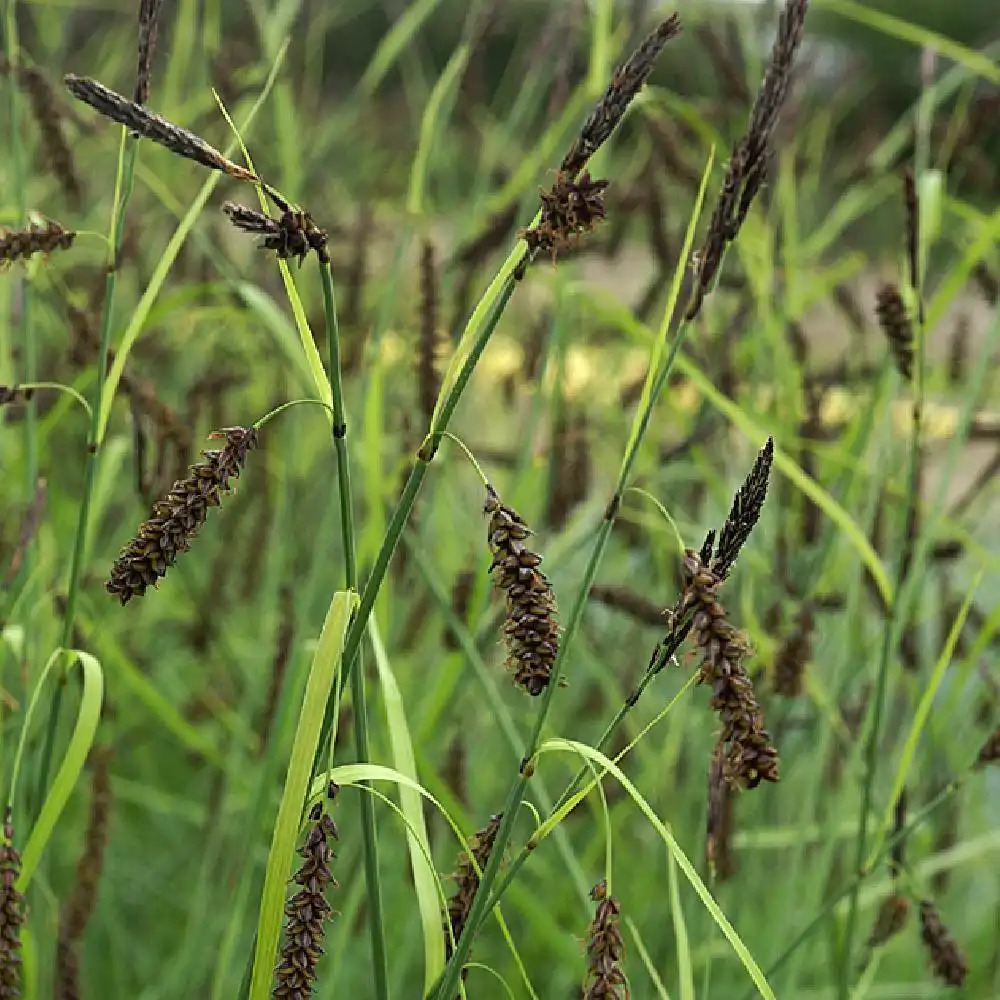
{"x": 744, "y": 513}
{"x": 605, "y": 949}
{"x": 897, "y": 857}
{"x": 749, "y": 756}
{"x": 20, "y": 244}
{"x": 11, "y": 913}
{"x": 947, "y": 960}
{"x": 531, "y": 628}
{"x": 149, "y": 17}
{"x": 890, "y": 919}
{"x": 896, "y": 326}
{"x": 749, "y": 159}
{"x": 989, "y": 753}
{"x": 56, "y": 153}
{"x": 176, "y": 518}
{"x": 428, "y": 379}
{"x": 83, "y": 897}
{"x": 628, "y": 601}
{"x": 625, "y": 84}
{"x": 470, "y": 867}
{"x": 719, "y": 820}
{"x": 147, "y": 124}
{"x": 308, "y": 909}
{"x": 292, "y": 234}
{"x": 794, "y": 653}
{"x": 912, "y": 226}
{"x": 570, "y": 209}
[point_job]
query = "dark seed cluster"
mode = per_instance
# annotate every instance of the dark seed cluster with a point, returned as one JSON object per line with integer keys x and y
{"x": 176, "y": 518}
{"x": 890, "y": 919}
{"x": 292, "y": 234}
{"x": 11, "y": 913}
{"x": 307, "y": 910}
{"x": 896, "y": 325}
{"x": 570, "y": 209}
{"x": 147, "y": 124}
{"x": 20, "y": 244}
{"x": 467, "y": 881}
{"x": 605, "y": 949}
{"x": 947, "y": 960}
{"x": 531, "y": 627}
{"x": 749, "y": 756}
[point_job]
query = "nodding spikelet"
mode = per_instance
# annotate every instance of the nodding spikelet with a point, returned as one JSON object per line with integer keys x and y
{"x": 83, "y": 897}
{"x": 428, "y": 379}
{"x": 56, "y": 153}
{"x": 749, "y": 159}
{"x": 625, "y": 84}
{"x": 895, "y": 323}
{"x": 20, "y": 244}
{"x": 719, "y": 820}
{"x": 146, "y": 124}
{"x": 571, "y": 208}
{"x": 308, "y": 909}
{"x": 889, "y": 921}
{"x": 605, "y": 949}
{"x": 471, "y": 864}
{"x": 292, "y": 234}
{"x": 947, "y": 960}
{"x": 11, "y": 912}
{"x": 989, "y": 753}
{"x": 794, "y": 653}
{"x": 149, "y": 17}
{"x": 749, "y": 756}
{"x": 176, "y": 518}
{"x": 744, "y": 513}
{"x": 531, "y": 628}
{"x": 629, "y": 602}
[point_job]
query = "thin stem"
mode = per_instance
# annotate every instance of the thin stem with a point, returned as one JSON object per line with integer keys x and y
{"x": 369, "y": 832}
{"x": 123, "y": 191}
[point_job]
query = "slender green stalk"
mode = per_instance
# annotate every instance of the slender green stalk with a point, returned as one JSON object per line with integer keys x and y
{"x": 124, "y": 180}
{"x": 369, "y": 833}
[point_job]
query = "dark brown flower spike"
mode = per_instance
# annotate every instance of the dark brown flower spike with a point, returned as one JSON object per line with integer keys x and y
{"x": 749, "y": 756}
{"x": 531, "y": 628}
{"x": 947, "y": 960}
{"x": 146, "y": 124}
{"x": 20, "y": 244}
{"x": 149, "y": 16}
{"x": 428, "y": 380}
{"x": 895, "y": 323}
{"x": 605, "y": 949}
{"x": 470, "y": 866}
{"x": 11, "y": 912}
{"x": 749, "y": 159}
{"x": 912, "y": 203}
{"x": 744, "y": 513}
{"x": 627, "y": 81}
{"x": 890, "y": 920}
{"x": 293, "y": 234}
{"x": 719, "y": 820}
{"x": 176, "y": 518}
{"x": 989, "y": 753}
{"x": 570, "y": 209}
{"x": 308, "y": 910}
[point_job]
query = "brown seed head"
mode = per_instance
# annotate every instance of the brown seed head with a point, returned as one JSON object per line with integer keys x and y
{"x": 570, "y": 209}
{"x": 176, "y": 518}
{"x": 627, "y": 81}
{"x": 531, "y": 629}
{"x": 947, "y": 961}
{"x": 749, "y": 756}
{"x": 467, "y": 880}
{"x": 744, "y": 513}
{"x": 149, "y": 16}
{"x": 605, "y": 950}
{"x": 896, "y": 326}
{"x": 308, "y": 910}
{"x": 11, "y": 912}
{"x": 146, "y": 124}
{"x": 20, "y": 244}
{"x": 292, "y": 234}
{"x": 891, "y": 919}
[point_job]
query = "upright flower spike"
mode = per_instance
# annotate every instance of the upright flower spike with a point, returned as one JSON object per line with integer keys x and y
{"x": 11, "y": 913}
{"x": 896, "y": 325}
{"x": 749, "y": 757}
{"x": 149, "y": 16}
{"x": 467, "y": 881}
{"x": 176, "y": 518}
{"x": 308, "y": 910}
{"x": 605, "y": 950}
{"x": 947, "y": 960}
{"x": 531, "y": 628}
{"x": 292, "y": 234}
